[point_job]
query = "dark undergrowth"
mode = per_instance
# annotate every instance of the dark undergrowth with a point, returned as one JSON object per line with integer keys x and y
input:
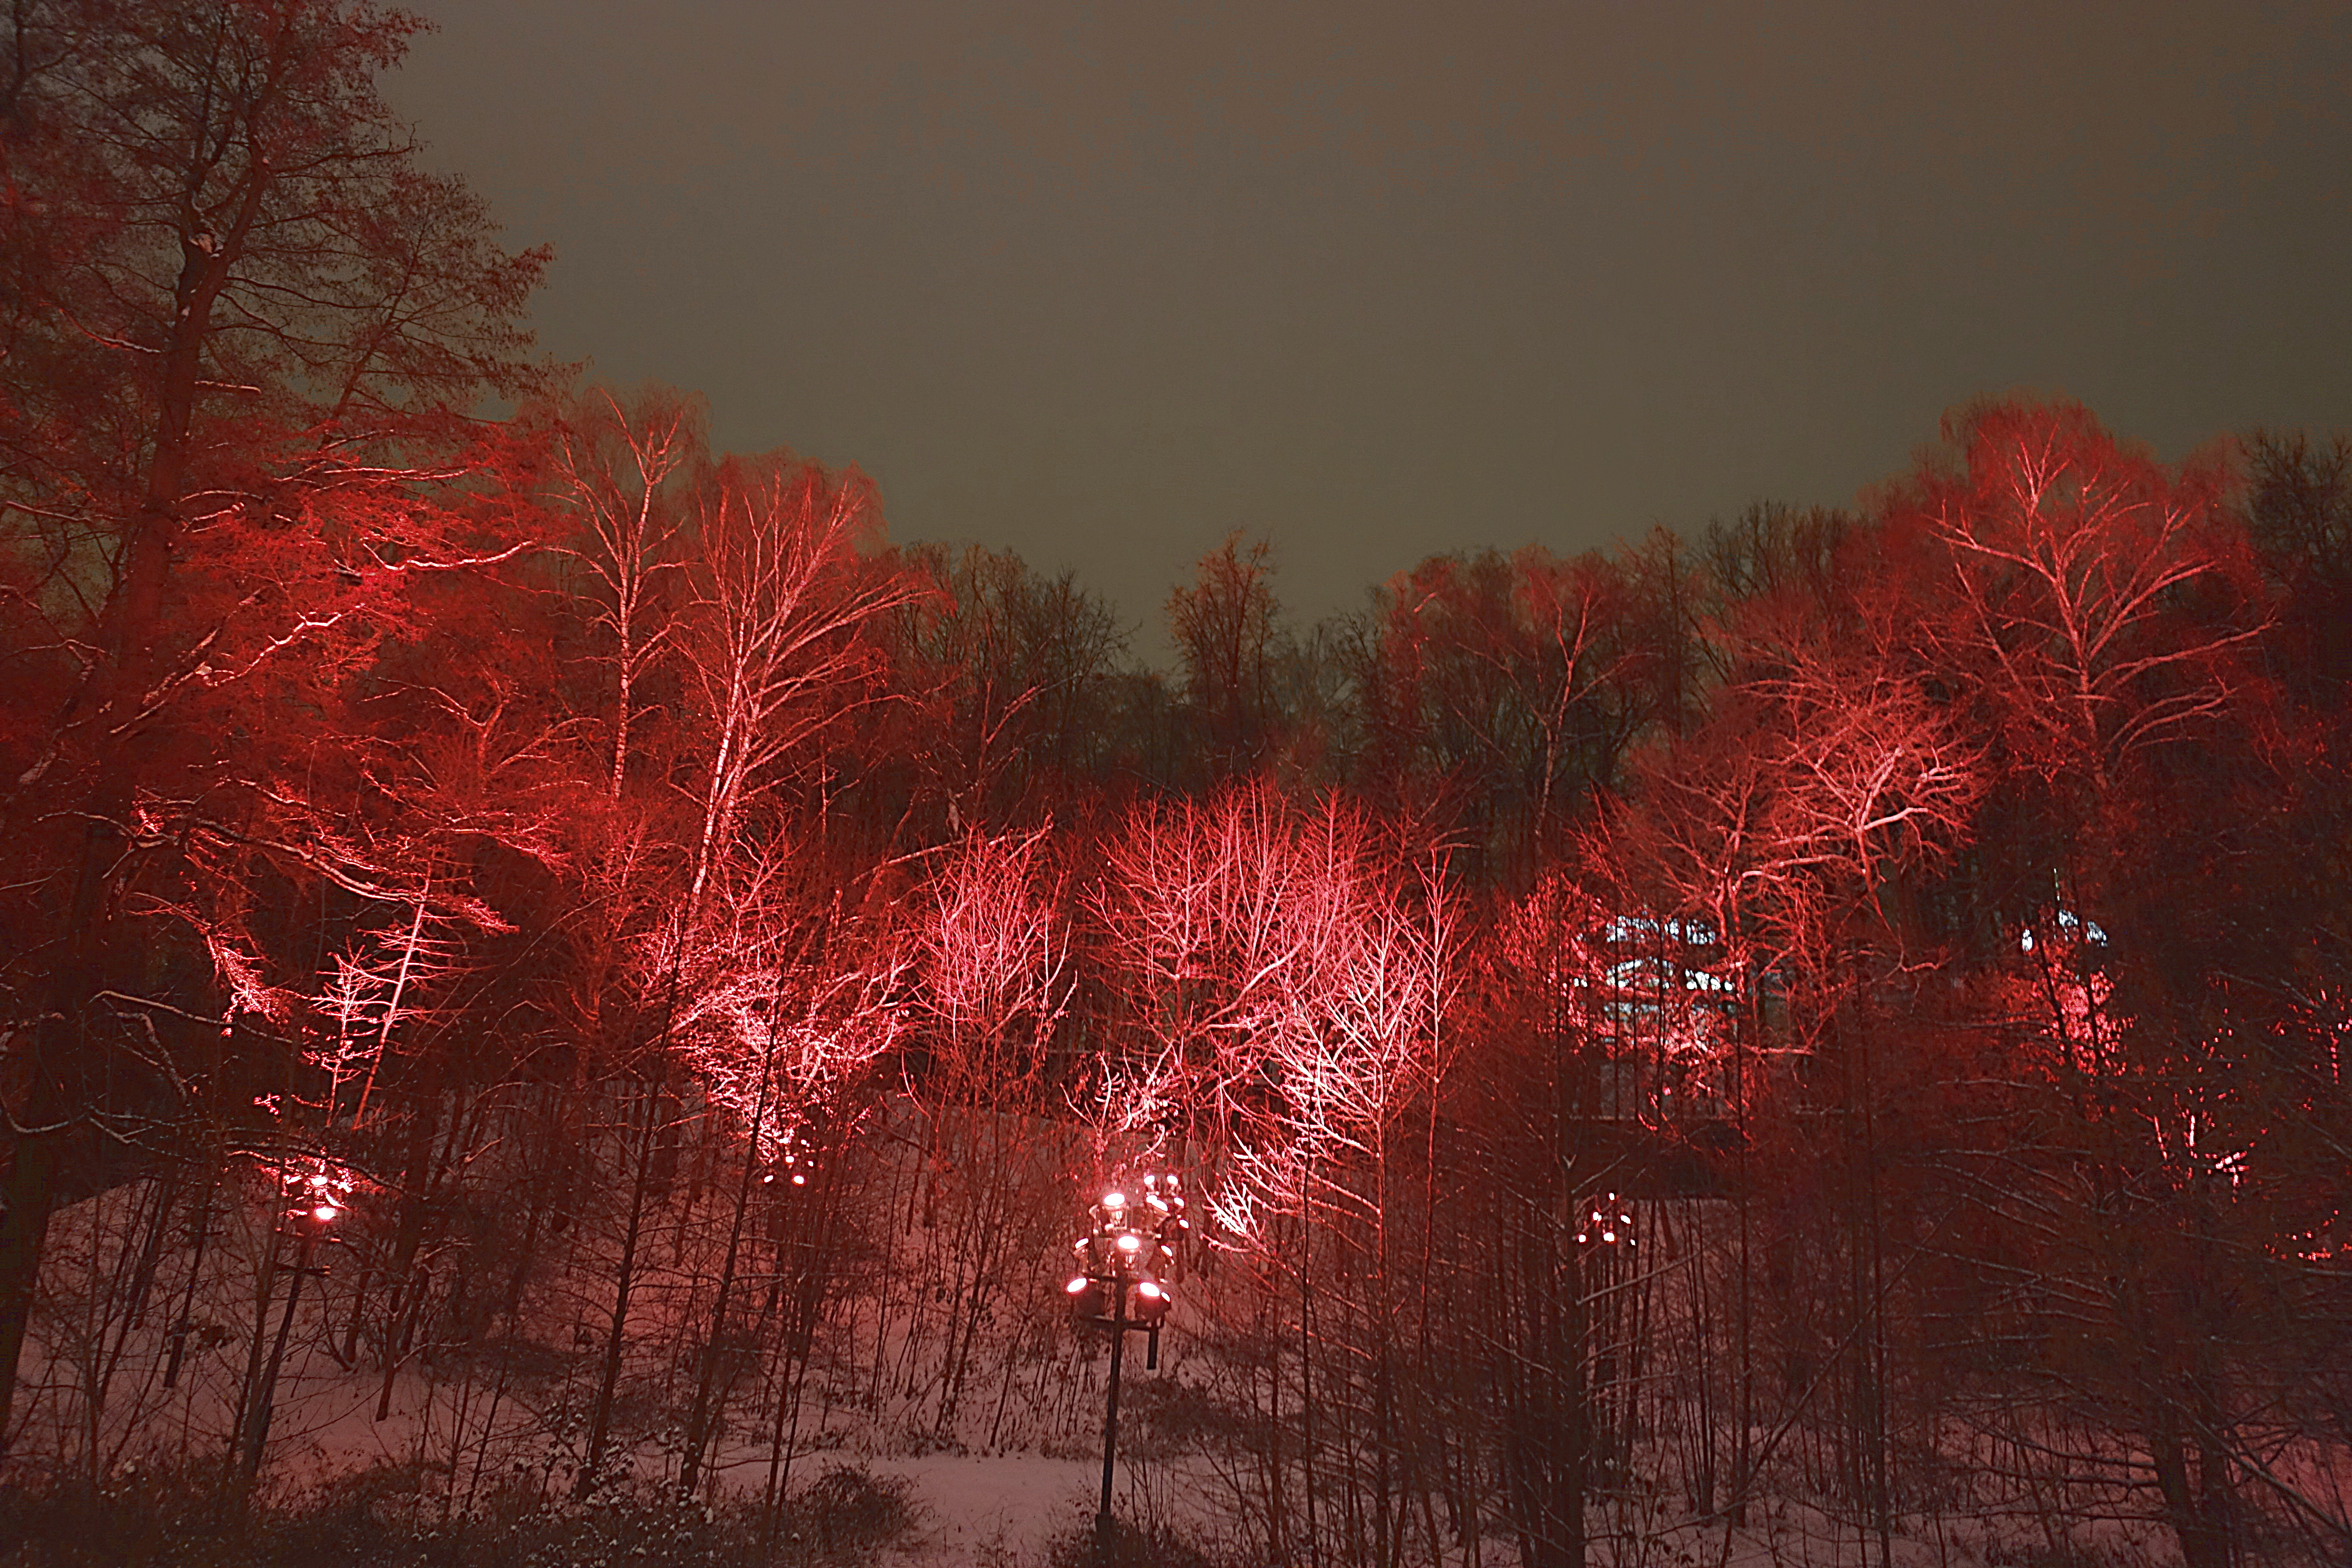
{"x": 1130, "y": 1547}
{"x": 378, "y": 1519}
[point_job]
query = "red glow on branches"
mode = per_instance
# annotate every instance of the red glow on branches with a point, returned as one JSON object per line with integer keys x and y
{"x": 1288, "y": 973}
{"x": 995, "y": 956}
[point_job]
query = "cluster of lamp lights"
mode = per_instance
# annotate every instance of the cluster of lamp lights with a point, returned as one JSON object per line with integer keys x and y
{"x": 1138, "y": 1243}
{"x": 1608, "y": 1222}
{"x": 798, "y": 1161}
{"x": 318, "y": 1199}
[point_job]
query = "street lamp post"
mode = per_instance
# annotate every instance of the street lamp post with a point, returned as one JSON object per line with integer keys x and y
{"x": 1132, "y": 1245}
{"x": 313, "y": 1204}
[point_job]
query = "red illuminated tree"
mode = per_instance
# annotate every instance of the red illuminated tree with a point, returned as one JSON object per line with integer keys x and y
{"x": 987, "y": 1073}
{"x": 780, "y": 639}
{"x": 624, "y": 473}
{"x": 2097, "y": 597}
{"x": 2299, "y": 513}
{"x": 1282, "y": 989}
{"x": 1284, "y": 976}
{"x": 244, "y": 328}
{"x": 779, "y": 642}
{"x": 1211, "y": 922}
{"x": 239, "y": 291}
{"x": 996, "y": 960}
{"x": 2094, "y": 615}
{"x": 788, "y": 1004}
{"x": 1774, "y": 848}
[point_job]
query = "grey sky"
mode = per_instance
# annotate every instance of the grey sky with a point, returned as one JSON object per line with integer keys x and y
{"x": 1101, "y": 282}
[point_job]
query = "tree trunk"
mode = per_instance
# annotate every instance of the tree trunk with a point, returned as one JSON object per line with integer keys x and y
{"x": 30, "y": 1193}
{"x": 624, "y": 1281}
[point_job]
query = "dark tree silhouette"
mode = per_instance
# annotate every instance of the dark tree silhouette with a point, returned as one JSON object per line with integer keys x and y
{"x": 1227, "y": 630}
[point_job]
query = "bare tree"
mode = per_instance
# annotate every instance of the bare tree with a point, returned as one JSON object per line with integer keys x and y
{"x": 1227, "y": 630}
{"x": 620, "y": 469}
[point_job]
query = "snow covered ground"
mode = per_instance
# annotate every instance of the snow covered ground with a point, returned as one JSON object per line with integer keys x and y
{"x": 483, "y": 1423}
{"x": 1005, "y": 1508}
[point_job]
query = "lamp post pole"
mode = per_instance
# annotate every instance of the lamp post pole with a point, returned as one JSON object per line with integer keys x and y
{"x": 1132, "y": 1247}
{"x": 265, "y": 1403}
{"x": 315, "y": 1204}
{"x": 1110, "y": 1413}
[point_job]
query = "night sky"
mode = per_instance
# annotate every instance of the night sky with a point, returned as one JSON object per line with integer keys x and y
{"x": 1101, "y": 282}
